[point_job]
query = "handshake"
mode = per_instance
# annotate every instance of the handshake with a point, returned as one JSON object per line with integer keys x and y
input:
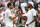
{"x": 19, "y": 12}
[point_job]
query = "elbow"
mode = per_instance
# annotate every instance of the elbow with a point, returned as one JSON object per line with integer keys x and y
{"x": 11, "y": 18}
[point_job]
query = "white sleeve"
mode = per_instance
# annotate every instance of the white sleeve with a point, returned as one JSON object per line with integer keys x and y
{"x": 1, "y": 18}
{"x": 34, "y": 13}
{"x": 24, "y": 15}
{"x": 28, "y": 19}
{"x": 9, "y": 14}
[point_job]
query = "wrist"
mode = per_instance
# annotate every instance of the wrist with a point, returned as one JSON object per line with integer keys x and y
{"x": 30, "y": 23}
{"x": 17, "y": 15}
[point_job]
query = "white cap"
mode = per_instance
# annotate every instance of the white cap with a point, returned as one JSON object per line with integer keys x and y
{"x": 31, "y": 3}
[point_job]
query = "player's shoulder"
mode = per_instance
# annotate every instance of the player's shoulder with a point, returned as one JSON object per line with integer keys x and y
{"x": 29, "y": 11}
{"x": 7, "y": 10}
{"x": 33, "y": 9}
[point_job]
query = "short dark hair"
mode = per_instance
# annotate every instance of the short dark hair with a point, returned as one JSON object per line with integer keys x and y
{"x": 8, "y": 4}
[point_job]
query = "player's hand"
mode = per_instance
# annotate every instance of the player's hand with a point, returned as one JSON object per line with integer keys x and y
{"x": 39, "y": 21}
{"x": 1, "y": 22}
{"x": 27, "y": 24}
{"x": 21, "y": 15}
{"x": 19, "y": 12}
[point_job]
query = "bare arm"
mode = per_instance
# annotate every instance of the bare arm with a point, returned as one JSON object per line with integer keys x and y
{"x": 33, "y": 20}
{"x": 13, "y": 17}
{"x": 24, "y": 17}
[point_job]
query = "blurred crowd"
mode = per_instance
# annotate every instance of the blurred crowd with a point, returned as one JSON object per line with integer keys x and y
{"x": 19, "y": 5}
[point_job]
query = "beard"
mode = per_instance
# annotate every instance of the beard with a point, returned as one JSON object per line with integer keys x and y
{"x": 11, "y": 8}
{"x": 28, "y": 6}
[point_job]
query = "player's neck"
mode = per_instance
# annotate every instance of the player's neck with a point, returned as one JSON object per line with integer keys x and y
{"x": 10, "y": 8}
{"x": 26, "y": 11}
{"x": 30, "y": 8}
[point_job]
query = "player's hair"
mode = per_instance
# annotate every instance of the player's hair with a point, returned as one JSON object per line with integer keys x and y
{"x": 30, "y": 5}
{"x": 9, "y": 4}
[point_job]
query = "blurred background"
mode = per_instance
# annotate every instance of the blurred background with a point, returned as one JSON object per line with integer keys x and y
{"x": 19, "y": 5}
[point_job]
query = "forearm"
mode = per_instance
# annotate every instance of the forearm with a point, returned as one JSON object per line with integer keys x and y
{"x": 25, "y": 18}
{"x": 22, "y": 16}
{"x": 30, "y": 22}
{"x": 13, "y": 17}
{"x": 33, "y": 20}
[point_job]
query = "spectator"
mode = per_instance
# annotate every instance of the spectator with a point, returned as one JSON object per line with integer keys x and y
{"x": 5, "y": 3}
{"x": 29, "y": 0}
{"x": 13, "y": 1}
{"x": 17, "y": 3}
{"x": 21, "y": 0}
{"x": 1, "y": 4}
{"x": 38, "y": 19}
{"x": 39, "y": 6}
{"x": 16, "y": 8}
{"x": 1, "y": 18}
{"x": 0, "y": 0}
{"x": 23, "y": 7}
{"x": 35, "y": 6}
{"x": 38, "y": 1}
{"x": 25, "y": 0}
